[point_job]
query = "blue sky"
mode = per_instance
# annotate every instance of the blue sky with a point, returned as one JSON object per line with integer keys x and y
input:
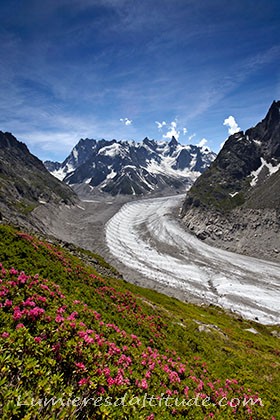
{"x": 128, "y": 69}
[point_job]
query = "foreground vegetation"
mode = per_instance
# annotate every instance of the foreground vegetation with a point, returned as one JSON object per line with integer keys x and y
{"x": 75, "y": 344}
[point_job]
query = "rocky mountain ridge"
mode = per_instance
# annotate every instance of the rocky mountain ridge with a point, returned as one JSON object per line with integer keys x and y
{"x": 25, "y": 183}
{"x": 235, "y": 204}
{"x": 127, "y": 167}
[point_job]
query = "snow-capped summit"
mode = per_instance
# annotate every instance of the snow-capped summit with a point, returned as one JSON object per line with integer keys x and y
{"x": 123, "y": 167}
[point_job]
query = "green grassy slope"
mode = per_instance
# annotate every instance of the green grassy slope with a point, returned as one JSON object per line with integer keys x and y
{"x": 104, "y": 348}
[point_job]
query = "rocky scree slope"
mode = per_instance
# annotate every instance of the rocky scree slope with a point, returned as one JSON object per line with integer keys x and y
{"x": 127, "y": 167}
{"x": 235, "y": 204}
{"x": 25, "y": 183}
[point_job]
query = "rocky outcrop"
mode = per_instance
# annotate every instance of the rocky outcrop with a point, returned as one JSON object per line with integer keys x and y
{"x": 25, "y": 183}
{"x": 244, "y": 164}
{"x": 245, "y": 231}
{"x": 235, "y": 203}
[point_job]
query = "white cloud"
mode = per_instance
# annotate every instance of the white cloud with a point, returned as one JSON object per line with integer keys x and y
{"x": 160, "y": 125}
{"x": 126, "y": 121}
{"x": 202, "y": 143}
{"x": 192, "y": 136}
{"x": 232, "y": 125}
{"x": 185, "y": 130}
{"x": 173, "y": 131}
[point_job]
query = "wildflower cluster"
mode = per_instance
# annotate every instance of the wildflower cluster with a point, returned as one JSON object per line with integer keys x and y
{"x": 51, "y": 345}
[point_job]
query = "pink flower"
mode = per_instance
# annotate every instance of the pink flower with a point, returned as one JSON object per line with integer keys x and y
{"x": 181, "y": 369}
{"x": 200, "y": 386}
{"x": 174, "y": 377}
{"x": 37, "y": 339}
{"x": 88, "y": 339}
{"x": 36, "y": 312}
{"x": 83, "y": 381}
{"x": 59, "y": 318}
{"x": 124, "y": 360}
{"x": 80, "y": 366}
{"x": 166, "y": 369}
{"x": 101, "y": 390}
{"x": 56, "y": 347}
{"x": 13, "y": 271}
{"x": 119, "y": 379}
{"x": 19, "y": 326}
{"x": 8, "y": 303}
{"x": 143, "y": 384}
{"x": 29, "y": 302}
{"x": 106, "y": 372}
{"x": 61, "y": 310}
{"x": 210, "y": 385}
{"x": 150, "y": 417}
{"x": 110, "y": 381}
{"x": 5, "y": 335}
{"x": 41, "y": 298}
{"x": 22, "y": 278}
{"x": 72, "y": 316}
{"x": 152, "y": 365}
{"x": 4, "y": 291}
{"x": 17, "y": 313}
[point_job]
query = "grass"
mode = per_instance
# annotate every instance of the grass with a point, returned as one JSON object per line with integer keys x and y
{"x": 120, "y": 340}
{"x": 212, "y": 190}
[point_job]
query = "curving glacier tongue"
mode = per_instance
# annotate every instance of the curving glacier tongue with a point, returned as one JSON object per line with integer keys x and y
{"x": 145, "y": 237}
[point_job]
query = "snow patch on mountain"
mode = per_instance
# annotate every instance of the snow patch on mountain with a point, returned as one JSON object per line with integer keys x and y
{"x": 255, "y": 174}
{"x": 75, "y": 153}
{"x": 112, "y": 150}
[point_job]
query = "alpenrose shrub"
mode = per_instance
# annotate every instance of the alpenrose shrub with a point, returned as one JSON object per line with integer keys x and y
{"x": 59, "y": 359}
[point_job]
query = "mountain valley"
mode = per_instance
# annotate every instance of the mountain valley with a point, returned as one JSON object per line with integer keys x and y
{"x": 175, "y": 318}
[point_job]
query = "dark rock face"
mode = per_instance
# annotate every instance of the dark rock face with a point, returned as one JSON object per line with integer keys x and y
{"x": 235, "y": 203}
{"x": 24, "y": 180}
{"x": 268, "y": 131}
{"x": 122, "y": 167}
{"x": 183, "y": 160}
{"x": 228, "y": 181}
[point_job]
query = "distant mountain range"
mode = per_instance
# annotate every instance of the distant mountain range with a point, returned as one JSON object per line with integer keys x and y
{"x": 25, "y": 182}
{"x": 127, "y": 167}
{"x": 236, "y": 202}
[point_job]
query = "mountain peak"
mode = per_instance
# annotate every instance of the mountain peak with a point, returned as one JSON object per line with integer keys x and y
{"x": 26, "y": 182}
{"x": 173, "y": 142}
{"x": 246, "y": 161}
{"x": 7, "y": 140}
{"x": 273, "y": 115}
